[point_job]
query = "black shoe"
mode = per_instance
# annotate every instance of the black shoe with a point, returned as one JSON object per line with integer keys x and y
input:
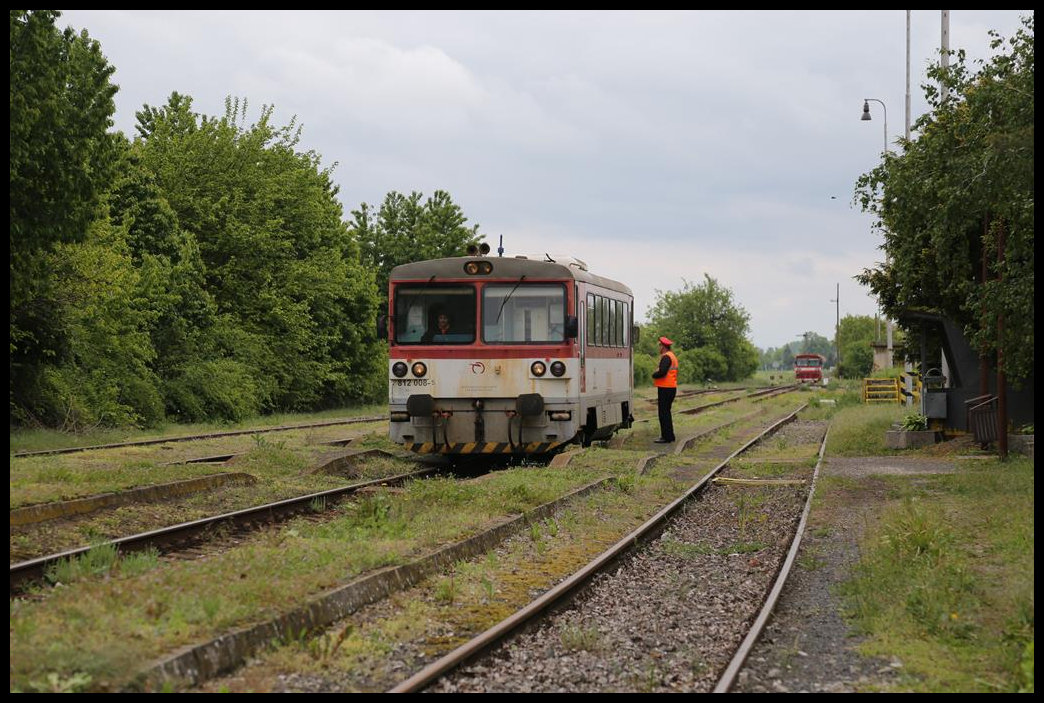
{"x": 661, "y": 440}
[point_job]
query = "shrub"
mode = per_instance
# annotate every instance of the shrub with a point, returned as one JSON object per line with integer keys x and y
{"x": 222, "y": 389}
{"x": 915, "y": 422}
{"x": 644, "y": 366}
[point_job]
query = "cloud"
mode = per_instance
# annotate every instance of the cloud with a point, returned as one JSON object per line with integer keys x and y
{"x": 656, "y": 145}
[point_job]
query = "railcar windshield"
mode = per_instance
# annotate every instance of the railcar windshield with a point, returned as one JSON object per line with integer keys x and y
{"x": 813, "y": 361}
{"x": 434, "y": 314}
{"x": 517, "y": 313}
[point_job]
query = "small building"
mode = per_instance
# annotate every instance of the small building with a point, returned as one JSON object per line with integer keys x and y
{"x": 950, "y": 373}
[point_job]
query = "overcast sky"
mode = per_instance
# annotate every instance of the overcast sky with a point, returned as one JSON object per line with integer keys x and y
{"x": 656, "y": 146}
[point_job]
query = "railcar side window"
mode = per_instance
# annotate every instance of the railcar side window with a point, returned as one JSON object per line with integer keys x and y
{"x": 592, "y": 333}
{"x": 606, "y": 321}
{"x": 525, "y": 312}
{"x": 434, "y": 314}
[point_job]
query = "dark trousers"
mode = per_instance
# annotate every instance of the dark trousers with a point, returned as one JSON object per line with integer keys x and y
{"x": 664, "y": 400}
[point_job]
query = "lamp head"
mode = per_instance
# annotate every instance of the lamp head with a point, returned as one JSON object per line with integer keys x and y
{"x": 866, "y": 110}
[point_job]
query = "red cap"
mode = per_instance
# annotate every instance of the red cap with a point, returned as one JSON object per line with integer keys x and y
{"x": 665, "y": 341}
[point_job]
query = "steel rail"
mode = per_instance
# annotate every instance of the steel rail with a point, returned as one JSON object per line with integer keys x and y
{"x": 738, "y": 659}
{"x": 760, "y": 394}
{"x": 646, "y": 531}
{"x": 189, "y": 438}
{"x": 35, "y": 569}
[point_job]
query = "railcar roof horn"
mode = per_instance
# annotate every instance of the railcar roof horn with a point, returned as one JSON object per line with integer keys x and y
{"x": 478, "y": 249}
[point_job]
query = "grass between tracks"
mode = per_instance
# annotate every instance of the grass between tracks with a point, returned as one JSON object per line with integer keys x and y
{"x": 107, "y": 629}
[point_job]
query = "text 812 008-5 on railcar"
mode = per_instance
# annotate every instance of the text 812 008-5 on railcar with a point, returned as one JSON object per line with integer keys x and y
{"x": 506, "y": 355}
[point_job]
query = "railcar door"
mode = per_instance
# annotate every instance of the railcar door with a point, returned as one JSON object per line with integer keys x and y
{"x": 581, "y": 336}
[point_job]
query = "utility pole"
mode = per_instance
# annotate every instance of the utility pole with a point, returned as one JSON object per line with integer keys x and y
{"x": 837, "y": 329}
{"x": 908, "y": 75}
{"x": 944, "y": 51}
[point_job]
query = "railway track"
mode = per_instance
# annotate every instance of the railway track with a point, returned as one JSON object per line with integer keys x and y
{"x": 382, "y": 617}
{"x": 167, "y": 539}
{"x": 501, "y": 670}
{"x": 300, "y": 620}
{"x": 197, "y": 437}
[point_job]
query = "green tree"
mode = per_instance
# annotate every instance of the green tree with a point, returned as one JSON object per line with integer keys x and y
{"x": 407, "y": 229}
{"x": 856, "y": 334}
{"x": 294, "y": 308}
{"x": 62, "y": 161}
{"x": 959, "y": 201}
{"x": 185, "y": 326}
{"x": 103, "y": 376}
{"x": 705, "y": 318}
{"x": 813, "y": 343}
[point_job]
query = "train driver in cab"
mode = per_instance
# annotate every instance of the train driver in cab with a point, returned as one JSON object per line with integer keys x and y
{"x": 441, "y": 328}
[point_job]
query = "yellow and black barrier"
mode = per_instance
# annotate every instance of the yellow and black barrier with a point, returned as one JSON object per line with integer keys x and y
{"x": 912, "y": 380}
{"x": 881, "y": 390}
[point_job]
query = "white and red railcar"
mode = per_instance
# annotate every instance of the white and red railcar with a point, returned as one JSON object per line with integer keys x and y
{"x": 538, "y": 355}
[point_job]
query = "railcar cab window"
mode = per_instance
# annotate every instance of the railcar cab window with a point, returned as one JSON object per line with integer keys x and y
{"x": 434, "y": 314}
{"x": 517, "y": 313}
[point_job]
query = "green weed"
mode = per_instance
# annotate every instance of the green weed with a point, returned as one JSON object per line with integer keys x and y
{"x": 139, "y": 562}
{"x": 944, "y": 580}
{"x": 742, "y": 548}
{"x": 580, "y": 638}
{"x": 94, "y": 562}
{"x": 685, "y": 550}
{"x": 58, "y": 683}
{"x": 446, "y": 590}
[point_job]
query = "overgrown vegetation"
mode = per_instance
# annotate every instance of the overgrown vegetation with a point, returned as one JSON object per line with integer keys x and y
{"x": 946, "y": 578}
{"x": 946, "y": 581}
{"x": 104, "y": 629}
{"x": 956, "y": 206}
{"x": 709, "y": 330}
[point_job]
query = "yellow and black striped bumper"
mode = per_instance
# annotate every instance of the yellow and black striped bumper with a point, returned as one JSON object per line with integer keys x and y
{"x": 482, "y": 447}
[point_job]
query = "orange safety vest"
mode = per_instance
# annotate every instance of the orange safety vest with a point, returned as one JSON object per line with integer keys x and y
{"x": 671, "y": 379}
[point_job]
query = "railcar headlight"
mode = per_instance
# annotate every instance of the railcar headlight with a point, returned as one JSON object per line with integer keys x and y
{"x": 419, "y": 369}
{"x": 538, "y": 368}
{"x": 399, "y": 369}
{"x": 557, "y": 368}
{"x": 477, "y": 268}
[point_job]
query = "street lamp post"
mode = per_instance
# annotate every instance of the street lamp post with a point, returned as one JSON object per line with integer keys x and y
{"x": 866, "y": 118}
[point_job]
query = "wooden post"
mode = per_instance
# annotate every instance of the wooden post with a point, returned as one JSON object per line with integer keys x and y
{"x": 1002, "y": 391}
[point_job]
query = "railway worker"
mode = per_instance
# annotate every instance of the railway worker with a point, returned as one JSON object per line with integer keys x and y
{"x": 665, "y": 378}
{"x": 442, "y": 327}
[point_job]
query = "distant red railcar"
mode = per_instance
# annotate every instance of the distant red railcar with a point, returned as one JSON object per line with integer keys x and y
{"x": 808, "y": 368}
